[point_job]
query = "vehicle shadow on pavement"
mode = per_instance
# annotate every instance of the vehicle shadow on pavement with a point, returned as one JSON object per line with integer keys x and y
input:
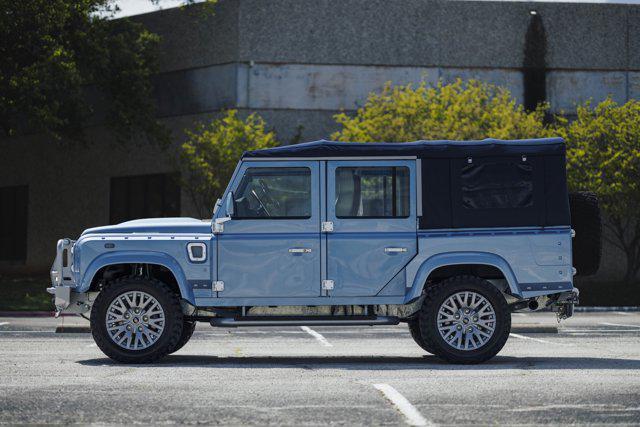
{"x": 379, "y": 362}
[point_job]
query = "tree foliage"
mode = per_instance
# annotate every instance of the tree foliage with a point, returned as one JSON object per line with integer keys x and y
{"x": 57, "y": 53}
{"x": 603, "y": 155}
{"x": 212, "y": 151}
{"x": 461, "y": 110}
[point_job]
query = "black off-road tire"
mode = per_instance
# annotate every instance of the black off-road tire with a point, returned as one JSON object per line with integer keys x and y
{"x": 414, "y": 330}
{"x": 171, "y": 334}
{"x": 437, "y": 294}
{"x": 587, "y": 223}
{"x": 188, "y": 326}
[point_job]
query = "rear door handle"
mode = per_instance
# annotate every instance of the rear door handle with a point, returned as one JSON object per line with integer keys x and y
{"x": 299, "y": 250}
{"x": 392, "y": 250}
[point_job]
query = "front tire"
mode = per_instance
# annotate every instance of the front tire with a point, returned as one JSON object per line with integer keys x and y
{"x": 136, "y": 320}
{"x": 414, "y": 330}
{"x": 464, "y": 319}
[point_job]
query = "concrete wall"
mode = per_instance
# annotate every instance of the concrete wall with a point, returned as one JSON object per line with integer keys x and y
{"x": 299, "y": 62}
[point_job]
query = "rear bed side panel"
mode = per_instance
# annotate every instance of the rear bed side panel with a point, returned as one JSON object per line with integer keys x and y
{"x": 535, "y": 261}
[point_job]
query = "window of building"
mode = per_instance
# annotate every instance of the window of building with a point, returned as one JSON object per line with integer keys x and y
{"x": 283, "y": 193}
{"x": 144, "y": 196}
{"x": 372, "y": 192}
{"x": 497, "y": 185}
{"x": 13, "y": 223}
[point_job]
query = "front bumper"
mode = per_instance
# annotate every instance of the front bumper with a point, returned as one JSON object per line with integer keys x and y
{"x": 68, "y": 301}
{"x": 62, "y": 280}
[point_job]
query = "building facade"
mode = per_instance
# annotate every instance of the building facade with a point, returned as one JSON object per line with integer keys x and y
{"x": 297, "y": 63}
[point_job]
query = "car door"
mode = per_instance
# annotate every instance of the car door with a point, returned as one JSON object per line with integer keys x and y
{"x": 271, "y": 246}
{"x": 372, "y": 207}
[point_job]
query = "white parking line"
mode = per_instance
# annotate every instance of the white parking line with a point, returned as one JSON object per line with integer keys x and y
{"x": 620, "y": 324}
{"x": 411, "y": 413}
{"x": 4, "y": 323}
{"x": 92, "y": 345}
{"x": 522, "y": 337}
{"x": 322, "y": 340}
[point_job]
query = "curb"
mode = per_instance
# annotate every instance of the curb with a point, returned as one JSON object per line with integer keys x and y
{"x": 534, "y": 329}
{"x": 73, "y": 330}
{"x": 605, "y": 309}
{"x": 32, "y": 314}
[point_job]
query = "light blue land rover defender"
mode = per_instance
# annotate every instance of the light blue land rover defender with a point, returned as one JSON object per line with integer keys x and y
{"x": 447, "y": 236}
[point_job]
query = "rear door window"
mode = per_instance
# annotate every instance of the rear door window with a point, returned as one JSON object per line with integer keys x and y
{"x": 372, "y": 192}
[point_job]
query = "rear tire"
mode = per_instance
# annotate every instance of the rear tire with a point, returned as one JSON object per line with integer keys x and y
{"x": 188, "y": 326}
{"x": 136, "y": 320}
{"x": 587, "y": 223}
{"x": 482, "y": 316}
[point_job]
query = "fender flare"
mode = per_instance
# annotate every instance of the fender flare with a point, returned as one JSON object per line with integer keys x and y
{"x": 138, "y": 257}
{"x": 459, "y": 258}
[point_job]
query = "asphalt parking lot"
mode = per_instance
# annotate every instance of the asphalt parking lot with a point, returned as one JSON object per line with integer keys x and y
{"x": 587, "y": 373}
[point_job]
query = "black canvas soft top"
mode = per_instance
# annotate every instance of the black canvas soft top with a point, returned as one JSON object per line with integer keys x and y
{"x": 420, "y": 149}
{"x": 468, "y": 184}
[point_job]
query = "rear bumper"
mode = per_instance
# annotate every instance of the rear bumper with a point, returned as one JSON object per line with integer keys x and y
{"x": 565, "y": 303}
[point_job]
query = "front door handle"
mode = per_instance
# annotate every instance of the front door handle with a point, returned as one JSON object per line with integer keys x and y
{"x": 299, "y": 250}
{"x": 392, "y": 250}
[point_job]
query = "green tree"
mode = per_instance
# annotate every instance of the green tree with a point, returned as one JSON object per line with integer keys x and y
{"x": 55, "y": 53}
{"x": 603, "y": 155}
{"x": 461, "y": 110}
{"x": 212, "y": 151}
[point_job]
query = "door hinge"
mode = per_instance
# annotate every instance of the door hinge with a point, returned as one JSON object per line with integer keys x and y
{"x": 327, "y": 285}
{"x": 327, "y": 226}
{"x": 218, "y": 286}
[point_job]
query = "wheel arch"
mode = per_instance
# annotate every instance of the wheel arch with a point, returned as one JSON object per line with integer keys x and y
{"x": 138, "y": 257}
{"x": 432, "y": 264}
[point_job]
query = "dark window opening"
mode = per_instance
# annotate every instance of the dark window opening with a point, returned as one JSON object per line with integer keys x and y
{"x": 144, "y": 196}
{"x": 372, "y": 192}
{"x": 13, "y": 223}
{"x": 498, "y": 185}
{"x": 274, "y": 193}
{"x": 534, "y": 64}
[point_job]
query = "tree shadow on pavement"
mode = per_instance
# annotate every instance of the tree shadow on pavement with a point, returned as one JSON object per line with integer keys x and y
{"x": 379, "y": 363}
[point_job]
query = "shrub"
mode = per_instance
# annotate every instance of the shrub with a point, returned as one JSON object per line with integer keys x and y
{"x": 212, "y": 151}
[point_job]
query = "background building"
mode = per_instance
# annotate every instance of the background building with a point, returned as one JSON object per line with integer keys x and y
{"x": 297, "y": 63}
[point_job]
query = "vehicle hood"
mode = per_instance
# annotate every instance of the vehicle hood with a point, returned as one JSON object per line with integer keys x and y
{"x": 155, "y": 225}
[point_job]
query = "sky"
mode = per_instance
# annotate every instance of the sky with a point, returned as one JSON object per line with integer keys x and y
{"x": 136, "y": 7}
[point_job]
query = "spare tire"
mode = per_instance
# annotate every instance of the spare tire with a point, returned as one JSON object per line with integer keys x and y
{"x": 586, "y": 221}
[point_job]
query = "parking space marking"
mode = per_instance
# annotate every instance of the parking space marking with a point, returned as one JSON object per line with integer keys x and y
{"x": 620, "y": 324}
{"x": 410, "y": 412}
{"x": 523, "y": 337}
{"x": 4, "y": 323}
{"x": 322, "y": 340}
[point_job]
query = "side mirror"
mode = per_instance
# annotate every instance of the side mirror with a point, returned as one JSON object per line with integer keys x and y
{"x": 217, "y": 206}
{"x": 230, "y": 205}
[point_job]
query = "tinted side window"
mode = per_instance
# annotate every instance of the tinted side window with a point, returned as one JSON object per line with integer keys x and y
{"x": 372, "y": 192}
{"x": 497, "y": 185}
{"x": 283, "y": 193}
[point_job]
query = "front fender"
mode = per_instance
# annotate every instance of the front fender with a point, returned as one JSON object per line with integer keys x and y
{"x": 137, "y": 257}
{"x": 458, "y": 258}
